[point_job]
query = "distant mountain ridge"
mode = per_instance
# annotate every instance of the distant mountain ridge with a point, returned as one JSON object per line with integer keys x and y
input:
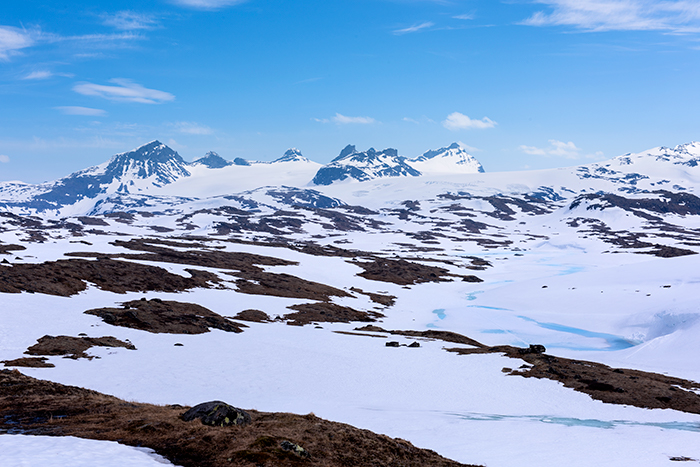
{"x": 157, "y": 171}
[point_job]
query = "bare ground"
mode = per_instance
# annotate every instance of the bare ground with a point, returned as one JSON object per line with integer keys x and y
{"x": 36, "y": 407}
{"x": 601, "y": 382}
{"x": 70, "y": 276}
{"x": 402, "y": 272}
{"x": 327, "y": 312}
{"x": 165, "y": 316}
{"x": 73, "y": 347}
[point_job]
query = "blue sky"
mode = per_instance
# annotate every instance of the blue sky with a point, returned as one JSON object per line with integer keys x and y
{"x": 524, "y": 84}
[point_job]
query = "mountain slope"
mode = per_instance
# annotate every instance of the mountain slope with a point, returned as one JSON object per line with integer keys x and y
{"x": 451, "y": 159}
{"x": 363, "y": 166}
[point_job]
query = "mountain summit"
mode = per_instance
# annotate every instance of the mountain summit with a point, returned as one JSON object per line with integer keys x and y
{"x": 291, "y": 155}
{"x": 151, "y": 165}
{"x": 452, "y": 159}
{"x": 363, "y": 166}
{"x": 212, "y": 160}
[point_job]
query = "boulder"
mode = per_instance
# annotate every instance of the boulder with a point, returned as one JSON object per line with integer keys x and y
{"x": 217, "y": 413}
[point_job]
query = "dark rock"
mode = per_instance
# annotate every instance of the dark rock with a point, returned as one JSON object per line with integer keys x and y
{"x": 295, "y": 449}
{"x": 533, "y": 349}
{"x": 392, "y": 344}
{"x": 414, "y": 345}
{"x": 217, "y": 413}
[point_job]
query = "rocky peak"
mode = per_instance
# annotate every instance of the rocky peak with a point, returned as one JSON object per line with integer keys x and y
{"x": 292, "y": 155}
{"x": 212, "y": 160}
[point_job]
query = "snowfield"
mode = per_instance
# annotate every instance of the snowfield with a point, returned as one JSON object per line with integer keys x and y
{"x": 603, "y": 279}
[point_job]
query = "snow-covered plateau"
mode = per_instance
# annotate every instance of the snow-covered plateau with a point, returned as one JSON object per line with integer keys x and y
{"x": 597, "y": 263}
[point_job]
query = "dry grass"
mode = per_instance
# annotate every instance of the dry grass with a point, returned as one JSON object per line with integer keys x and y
{"x": 32, "y": 406}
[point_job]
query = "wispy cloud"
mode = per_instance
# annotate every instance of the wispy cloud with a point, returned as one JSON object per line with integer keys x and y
{"x": 556, "y": 148}
{"x": 458, "y": 121}
{"x": 45, "y": 74}
{"x": 42, "y": 74}
{"x": 129, "y": 21}
{"x": 414, "y": 28}
{"x": 12, "y": 40}
{"x": 344, "y": 120}
{"x": 192, "y": 128}
{"x": 124, "y": 90}
{"x": 466, "y": 16}
{"x": 4, "y": 159}
{"x": 679, "y": 16}
{"x": 206, "y": 4}
{"x": 87, "y": 111}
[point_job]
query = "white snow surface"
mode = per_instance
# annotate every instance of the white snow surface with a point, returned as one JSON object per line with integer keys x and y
{"x": 556, "y": 285}
{"x": 205, "y": 182}
{"x": 59, "y": 451}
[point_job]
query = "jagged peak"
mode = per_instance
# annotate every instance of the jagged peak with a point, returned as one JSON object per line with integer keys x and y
{"x": 212, "y": 160}
{"x": 291, "y": 155}
{"x": 154, "y": 151}
{"x": 351, "y": 152}
{"x": 450, "y": 159}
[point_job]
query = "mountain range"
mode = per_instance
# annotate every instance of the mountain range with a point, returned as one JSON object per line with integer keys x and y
{"x": 154, "y": 165}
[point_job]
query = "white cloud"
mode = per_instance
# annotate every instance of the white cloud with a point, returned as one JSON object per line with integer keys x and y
{"x": 43, "y": 74}
{"x": 414, "y": 28}
{"x": 125, "y": 90}
{"x": 408, "y": 119}
{"x": 556, "y": 148}
{"x": 75, "y": 110}
{"x": 343, "y": 120}
{"x": 466, "y": 17}
{"x": 192, "y": 128}
{"x": 458, "y": 121}
{"x": 206, "y": 4}
{"x": 12, "y": 40}
{"x": 129, "y": 21}
{"x": 4, "y": 159}
{"x": 620, "y": 15}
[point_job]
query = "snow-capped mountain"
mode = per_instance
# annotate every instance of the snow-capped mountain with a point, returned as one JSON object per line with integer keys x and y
{"x": 363, "y": 166}
{"x": 212, "y": 160}
{"x": 452, "y": 159}
{"x": 291, "y": 155}
{"x": 156, "y": 170}
{"x": 152, "y": 165}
